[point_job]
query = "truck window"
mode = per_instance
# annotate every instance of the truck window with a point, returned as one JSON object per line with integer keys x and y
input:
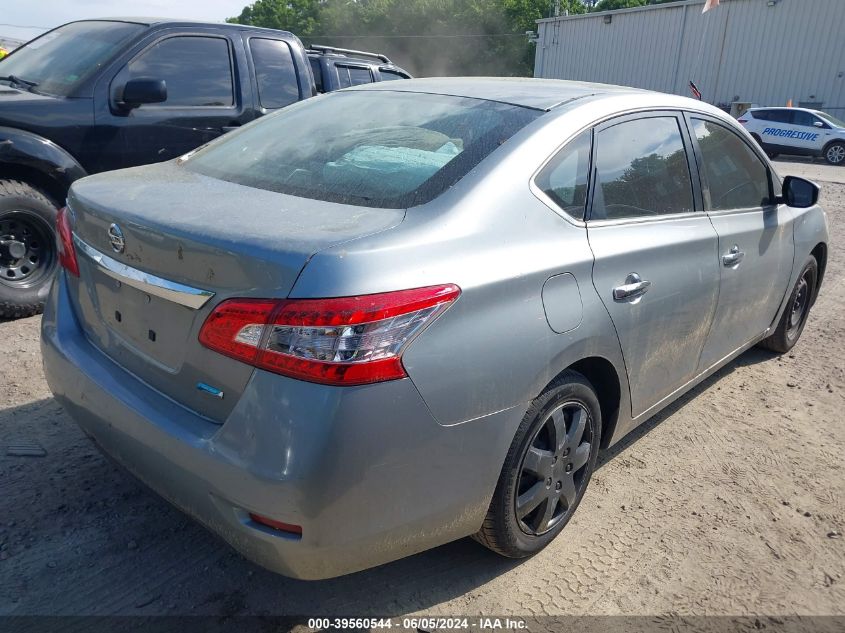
{"x": 197, "y": 70}
{"x": 317, "y": 72}
{"x": 390, "y": 75}
{"x": 353, "y": 76}
{"x": 275, "y": 72}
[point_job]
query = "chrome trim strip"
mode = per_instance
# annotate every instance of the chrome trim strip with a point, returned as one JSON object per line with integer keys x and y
{"x": 187, "y": 296}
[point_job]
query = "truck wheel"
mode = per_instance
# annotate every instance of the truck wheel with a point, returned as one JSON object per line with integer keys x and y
{"x": 28, "y": 255}
{"x": 547, "y": 469}
{"x": 834, "y": 153}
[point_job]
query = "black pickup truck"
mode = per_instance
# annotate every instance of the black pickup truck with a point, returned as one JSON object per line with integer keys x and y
{"x": 97, "y": 95}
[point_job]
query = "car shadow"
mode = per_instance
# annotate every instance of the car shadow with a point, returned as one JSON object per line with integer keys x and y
{"x": 117, "y": 548}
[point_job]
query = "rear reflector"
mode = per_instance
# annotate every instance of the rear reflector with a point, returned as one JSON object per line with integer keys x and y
{"x": 276, "y": 525}
{"x": 64, "y": 242}
{"x": 742, "y": 121}
{"x": 341, "y": 341}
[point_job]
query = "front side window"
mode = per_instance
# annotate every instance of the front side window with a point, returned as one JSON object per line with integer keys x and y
{"x": 197, "y": 71}
{"x": 399, "y": 150}
{"x": 566, "y": 176}
{"x": 274, "y": 72}
{"x": 804, "y": 119}
{"x": 641, "y": 170}
{"x": 735, "y": 175}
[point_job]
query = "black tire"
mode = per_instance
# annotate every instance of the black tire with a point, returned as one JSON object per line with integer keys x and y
{"x": 28, "y": 256}
{"x": 797, "y": 310}
{"x": 565, "y": 464}
{"x": 834, "y": 153}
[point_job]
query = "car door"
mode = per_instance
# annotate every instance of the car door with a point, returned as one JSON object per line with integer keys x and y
{"x": 203, "y": 98}
{"x": 654, "y": 251}
{"x": 755, "y": 236}
{"x": 809, "y": 132}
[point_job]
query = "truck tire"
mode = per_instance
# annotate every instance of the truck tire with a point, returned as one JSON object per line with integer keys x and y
{"x": 28, "y": 256}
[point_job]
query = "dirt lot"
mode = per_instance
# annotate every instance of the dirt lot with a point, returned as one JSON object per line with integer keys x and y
{"x": 730, "y": 502}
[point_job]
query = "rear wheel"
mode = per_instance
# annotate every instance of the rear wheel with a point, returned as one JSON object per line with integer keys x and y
{"x": 27, "y": 248}
{"x": 834, "y": 153}
{"x": 547, "y": 469}
{"x": 795, "y": 315}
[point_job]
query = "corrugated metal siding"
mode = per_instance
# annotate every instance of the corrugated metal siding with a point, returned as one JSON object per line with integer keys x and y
{"x": 744, "y": 50}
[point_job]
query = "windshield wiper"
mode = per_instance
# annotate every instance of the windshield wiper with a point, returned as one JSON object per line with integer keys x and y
{"x": 20, "y": 81}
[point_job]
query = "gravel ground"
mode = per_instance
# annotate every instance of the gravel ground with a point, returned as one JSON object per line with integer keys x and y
{"x": 729, "y": 502}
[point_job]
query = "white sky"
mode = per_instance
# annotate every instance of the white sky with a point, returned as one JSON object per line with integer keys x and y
{"x": 50, "y": 13}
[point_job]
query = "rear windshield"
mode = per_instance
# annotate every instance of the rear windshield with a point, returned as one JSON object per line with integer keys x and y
{"x": 368, "y": 148}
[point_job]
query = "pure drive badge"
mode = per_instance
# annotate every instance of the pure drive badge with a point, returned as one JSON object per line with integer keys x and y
{"x": 118, "y": 244}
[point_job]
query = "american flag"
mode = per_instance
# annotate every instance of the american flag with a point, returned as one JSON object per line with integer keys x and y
{"x": 710, "y": 4}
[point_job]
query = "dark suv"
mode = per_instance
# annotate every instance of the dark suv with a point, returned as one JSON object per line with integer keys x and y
{"x": 335, "y": 68}
{"x": 97, "y": 95}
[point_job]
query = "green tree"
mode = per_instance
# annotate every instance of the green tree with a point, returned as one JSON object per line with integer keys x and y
{"x": 607, "y": 5}
{"x": 298, "y": 16}
{"x": 428, "y": 37}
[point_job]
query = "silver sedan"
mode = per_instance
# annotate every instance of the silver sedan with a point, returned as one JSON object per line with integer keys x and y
{"x": 398, "y": 315}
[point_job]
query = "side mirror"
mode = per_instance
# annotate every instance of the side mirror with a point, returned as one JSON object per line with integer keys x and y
{"x": 137, "y": 92}
{"x": 818, "y": 123}
{"x": 799, "y": 193}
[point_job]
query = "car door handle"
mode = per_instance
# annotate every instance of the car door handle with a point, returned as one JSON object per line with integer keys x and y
{"x": 634, "y": 287}
{"x": 733, "y": 258}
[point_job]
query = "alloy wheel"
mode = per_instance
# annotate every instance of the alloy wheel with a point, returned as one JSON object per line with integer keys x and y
{"x": 836, "y": 154}
{"x": 554, "y": 469}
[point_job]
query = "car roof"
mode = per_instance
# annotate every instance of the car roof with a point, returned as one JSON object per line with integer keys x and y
{"x": 540, "y": 94}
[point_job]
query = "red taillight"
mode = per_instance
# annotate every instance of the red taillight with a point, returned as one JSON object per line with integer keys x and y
{"x": 67, "y": 253}
{"x": 742, "y": 121}
{"x": 342, "y": 341}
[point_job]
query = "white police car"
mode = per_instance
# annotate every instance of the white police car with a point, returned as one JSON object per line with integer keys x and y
{"x": 797, "y": 131}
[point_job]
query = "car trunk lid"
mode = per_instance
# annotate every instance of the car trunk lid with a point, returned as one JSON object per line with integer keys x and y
{"x": 188, "y": 242}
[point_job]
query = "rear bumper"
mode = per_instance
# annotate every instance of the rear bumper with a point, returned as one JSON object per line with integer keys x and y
{"x": 366, "y": 471}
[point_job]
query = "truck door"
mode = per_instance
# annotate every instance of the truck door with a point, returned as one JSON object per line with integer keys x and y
{"x": 203, "y": 98}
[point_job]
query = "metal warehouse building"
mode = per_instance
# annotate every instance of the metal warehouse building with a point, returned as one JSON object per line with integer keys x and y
{"x": 764, "y": 52}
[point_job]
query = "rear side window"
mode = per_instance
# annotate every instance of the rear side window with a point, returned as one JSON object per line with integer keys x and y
{"x": 197, "y": 71}
{"x": 399, "y": 150}
{"x": 761, "y": 115}
{"x": 566, "y": 176}
{"x": 641, "y": 170}
{"x": 735, "y": 175}
{"x": 353, "y": 76}
{"x": 274, "y": 72}
{"x": 780, "y": 116}
{"x": 317, "y": 71}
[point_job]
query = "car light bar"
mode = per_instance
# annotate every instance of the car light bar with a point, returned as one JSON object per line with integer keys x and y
{"x": 340, "y": 341}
